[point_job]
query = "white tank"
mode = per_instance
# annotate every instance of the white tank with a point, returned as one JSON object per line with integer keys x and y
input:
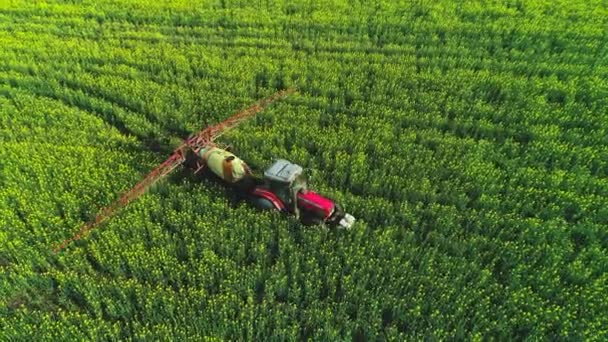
{"x": 224, "y": 164}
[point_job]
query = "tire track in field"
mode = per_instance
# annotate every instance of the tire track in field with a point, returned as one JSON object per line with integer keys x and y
{"x": 457, "y": 130}
{"x": 13, "y": 94}
{"x": 39, "y": 86}
{"x": 98, "y": 66}
{"x": 464, "y": 28}
{"x": 108, "y": 114}
{"x": 418, "y": 123}
{"x": 111, "y": 118}
{"x": 419, "y": 58}
{"x": 102, "y": 94}
{"x": 95, "y": 65}
{"x": 522, "y": 70}
{"x": 339, "y": 35}
{"x": 415, "y": 124}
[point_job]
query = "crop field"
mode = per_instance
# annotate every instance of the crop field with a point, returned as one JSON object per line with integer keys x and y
{"x": 469, "y": 138}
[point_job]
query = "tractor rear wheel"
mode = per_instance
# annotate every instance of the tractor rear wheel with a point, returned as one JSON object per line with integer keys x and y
{"x": 262, "y": 204}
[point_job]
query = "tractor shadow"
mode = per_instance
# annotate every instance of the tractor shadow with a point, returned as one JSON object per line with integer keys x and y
{"x": 186, "y": 174}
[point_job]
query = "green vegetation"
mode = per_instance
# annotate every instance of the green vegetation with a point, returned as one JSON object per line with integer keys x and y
{"x": 470, "y": 138}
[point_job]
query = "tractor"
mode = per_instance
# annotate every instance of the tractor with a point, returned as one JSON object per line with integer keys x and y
{"x": 283, "y": 187}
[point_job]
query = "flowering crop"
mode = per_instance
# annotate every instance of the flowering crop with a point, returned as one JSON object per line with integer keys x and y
{"x": 470, "y": 139}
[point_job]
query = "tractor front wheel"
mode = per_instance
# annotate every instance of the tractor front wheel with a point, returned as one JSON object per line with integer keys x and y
{"x": 311, "y": 220}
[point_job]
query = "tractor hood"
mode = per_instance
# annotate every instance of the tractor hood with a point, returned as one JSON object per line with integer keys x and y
{"x": 326, "y": 209}
{"x": 316, "y": 203}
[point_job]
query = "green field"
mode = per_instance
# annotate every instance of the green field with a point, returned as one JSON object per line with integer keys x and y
{"x": 469, "y": 138}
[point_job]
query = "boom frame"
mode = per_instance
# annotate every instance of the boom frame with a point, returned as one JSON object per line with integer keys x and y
{"x": 195, "y": 143}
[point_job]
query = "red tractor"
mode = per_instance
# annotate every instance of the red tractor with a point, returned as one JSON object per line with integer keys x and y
{"x": 285, "y": 188}
{"x": 282, "y": 188}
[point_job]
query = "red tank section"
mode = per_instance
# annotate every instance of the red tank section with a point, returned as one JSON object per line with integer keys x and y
{"x": 312, "y": 201}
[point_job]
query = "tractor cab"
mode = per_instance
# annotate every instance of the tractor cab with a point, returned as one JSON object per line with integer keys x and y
{"x": 286, "y": 180}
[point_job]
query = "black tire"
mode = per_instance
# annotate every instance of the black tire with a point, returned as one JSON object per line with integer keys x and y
{"x": 337, "y": 215}
{"x": 262, "y": 204}
{"x": 309, "y": 218}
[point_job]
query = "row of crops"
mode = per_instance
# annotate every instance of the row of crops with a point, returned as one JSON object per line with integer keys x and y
{"x": 470, "y": 139}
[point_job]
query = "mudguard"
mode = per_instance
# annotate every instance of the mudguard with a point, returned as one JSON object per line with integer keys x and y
{"x": 269, "y": 196}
